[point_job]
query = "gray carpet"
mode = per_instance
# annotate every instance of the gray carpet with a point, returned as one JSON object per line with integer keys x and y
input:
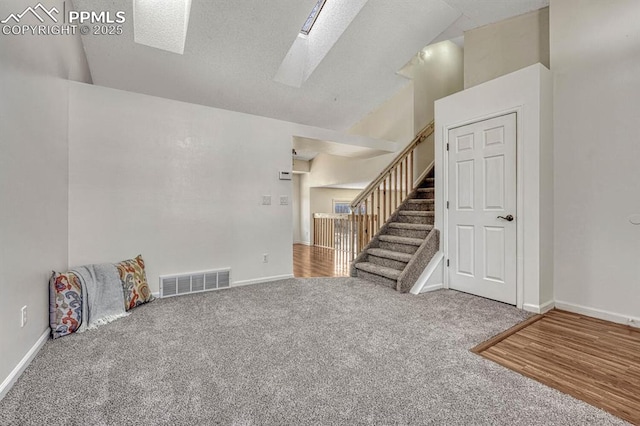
{"x": 305, "y": 351}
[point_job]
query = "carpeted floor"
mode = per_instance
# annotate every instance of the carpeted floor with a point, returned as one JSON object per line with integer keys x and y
{"x": 301, "y": 351}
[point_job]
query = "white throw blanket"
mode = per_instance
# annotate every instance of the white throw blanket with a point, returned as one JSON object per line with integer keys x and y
{"x": 102, "y": 295}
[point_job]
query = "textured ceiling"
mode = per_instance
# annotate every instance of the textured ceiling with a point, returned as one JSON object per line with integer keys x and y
{"x": 235, "y": 48}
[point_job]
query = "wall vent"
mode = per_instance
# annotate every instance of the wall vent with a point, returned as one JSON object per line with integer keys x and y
{"x": 194, "y": 282}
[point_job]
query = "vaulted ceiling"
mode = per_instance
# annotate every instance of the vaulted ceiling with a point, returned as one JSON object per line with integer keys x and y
{"x": 234, "y": 50}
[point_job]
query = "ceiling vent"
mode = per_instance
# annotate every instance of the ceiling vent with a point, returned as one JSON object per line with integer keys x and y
{"x": 194, "y": 282}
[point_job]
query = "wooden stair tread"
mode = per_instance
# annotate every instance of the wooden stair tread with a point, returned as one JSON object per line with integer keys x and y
{"x": 420, "y": 201}
{"x": 390, "y": 254}
{"x": 383, "y": 271}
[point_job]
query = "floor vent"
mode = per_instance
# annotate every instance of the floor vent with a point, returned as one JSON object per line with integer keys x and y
{"x": 195, "y": 282}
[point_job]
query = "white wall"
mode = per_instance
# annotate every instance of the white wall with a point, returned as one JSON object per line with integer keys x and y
{"x": 437, "y": 72}
{"x": 595, "y": 57}
{"x": 506, "y": 46}
{"x": 295, "y": 207}
{"x": 33, "y": 179}
{"x": 181, "y": 184}
{"x": 322, "y": 198}
{"x": 528, "y": 92}
{"x": 305, "y": 209}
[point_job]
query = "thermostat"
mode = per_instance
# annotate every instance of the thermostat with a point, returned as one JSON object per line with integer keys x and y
{"x": 285, "y": 175}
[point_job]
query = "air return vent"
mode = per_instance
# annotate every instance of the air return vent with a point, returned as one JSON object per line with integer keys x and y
{"x": 195, "y": 282}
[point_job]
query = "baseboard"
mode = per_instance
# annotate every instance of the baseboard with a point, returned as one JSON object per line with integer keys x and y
{"x": 433, "y": 287}
{"x": 23, "y": 364}
{"x": 598, "y": 313}
{"x": 539, "y": 309}
{"x": 422, "y": 280}
{"x": 261, "y": 280}
{"x": 304, "y": 243}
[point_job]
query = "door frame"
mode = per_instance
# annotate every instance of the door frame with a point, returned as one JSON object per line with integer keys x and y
{"x": 520, "y": 214}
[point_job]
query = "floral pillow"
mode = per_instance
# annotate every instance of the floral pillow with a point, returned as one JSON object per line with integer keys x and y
{"x": 134, "y": 282}
{"x": 65, "y": 304}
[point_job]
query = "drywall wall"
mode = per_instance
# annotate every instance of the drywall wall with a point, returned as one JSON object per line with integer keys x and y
{"x": 595, "y": 57}
{"x": 181, "y": 184}
{"x": 437, "y": 71}
{"x": 305, "y": 209}
{"x": 33, "y": 179}
{"x": 506, "y": 46}
{"x": 528, "y": 93}
{"x": 322, "y": 198}
{"x": 295, "y": 207}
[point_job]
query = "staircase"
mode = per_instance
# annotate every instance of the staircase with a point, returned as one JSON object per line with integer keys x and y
{"x": 404, "y": 245}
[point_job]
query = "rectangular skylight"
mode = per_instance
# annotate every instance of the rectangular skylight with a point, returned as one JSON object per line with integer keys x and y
{"x": 308, "y": 24}
{"x": 161, "y": 24}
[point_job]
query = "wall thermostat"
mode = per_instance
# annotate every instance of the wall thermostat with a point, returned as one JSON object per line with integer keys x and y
{"x": 285, "y": 175}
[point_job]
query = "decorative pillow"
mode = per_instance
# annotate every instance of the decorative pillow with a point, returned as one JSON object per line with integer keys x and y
{"x": 134, "y": 282}
{"x": 65, "y": 304}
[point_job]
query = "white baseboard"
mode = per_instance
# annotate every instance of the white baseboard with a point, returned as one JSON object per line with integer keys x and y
{"x": 304, "y": 243}
{"x": 432, "y": 287}
{"x": 261, "y": 280}
{"x": 539, "y": 309}
{"x": 598, "y": 313}
{"x": 23, "y": 364}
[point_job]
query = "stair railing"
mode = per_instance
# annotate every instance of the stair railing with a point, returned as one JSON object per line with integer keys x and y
{"x": 377, "y": 202}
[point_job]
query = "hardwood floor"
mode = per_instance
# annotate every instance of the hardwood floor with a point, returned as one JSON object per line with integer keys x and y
{"x": 309, "y": 261}
{"x": 593, "y": 360}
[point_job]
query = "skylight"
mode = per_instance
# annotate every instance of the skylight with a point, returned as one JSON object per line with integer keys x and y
{"x": 308, "y": 24}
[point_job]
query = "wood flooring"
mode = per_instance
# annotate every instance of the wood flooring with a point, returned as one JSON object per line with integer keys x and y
{"x": 592, "y": 360}
{"x": 309, "y": 261}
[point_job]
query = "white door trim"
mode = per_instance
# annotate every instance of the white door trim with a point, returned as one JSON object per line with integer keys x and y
{"x": 519, "y": 194}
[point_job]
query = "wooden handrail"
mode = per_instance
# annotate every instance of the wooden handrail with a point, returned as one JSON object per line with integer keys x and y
{"x": 421, "y": 136}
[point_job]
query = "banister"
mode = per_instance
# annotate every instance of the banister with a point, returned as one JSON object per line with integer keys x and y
{"x": 421, "y": 136}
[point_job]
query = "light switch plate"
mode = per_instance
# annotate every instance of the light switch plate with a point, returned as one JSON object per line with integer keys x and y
{"x": 284, "y": 200}
{"x": 266, "y": 200}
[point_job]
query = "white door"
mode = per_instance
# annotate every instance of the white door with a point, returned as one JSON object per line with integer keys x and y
{"x": 482, "y": 208}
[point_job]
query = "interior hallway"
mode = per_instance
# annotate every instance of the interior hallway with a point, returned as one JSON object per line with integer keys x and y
{"x": 310, "y": 261}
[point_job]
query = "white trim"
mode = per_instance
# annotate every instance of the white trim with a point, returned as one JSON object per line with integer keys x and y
{"x": 305, "y": 243}
{"x": 539, "y": 309}
{"x": 419, "y": 286}
{"x": 261, "y": 280}
{"x": 23, "y": 364}
{"x": 598, "y": 313}
{"x": 429, "y": 288}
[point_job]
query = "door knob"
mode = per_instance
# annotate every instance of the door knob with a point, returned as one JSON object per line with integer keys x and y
{"x": 508, "y": 217}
